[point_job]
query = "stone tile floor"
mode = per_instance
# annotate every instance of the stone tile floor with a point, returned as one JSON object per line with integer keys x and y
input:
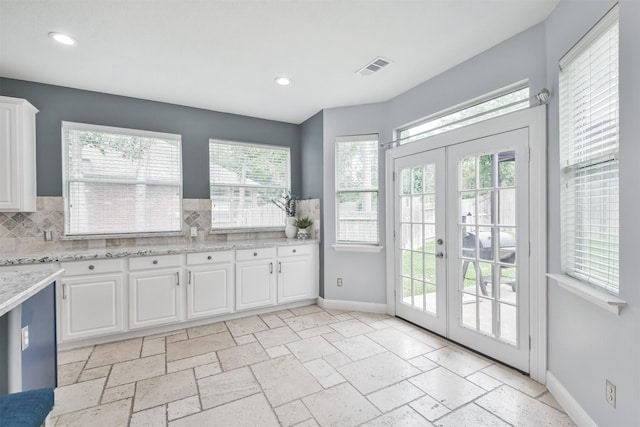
{"x": 300, "y": 367}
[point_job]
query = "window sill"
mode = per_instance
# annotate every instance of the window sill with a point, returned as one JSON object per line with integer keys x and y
{"x": 600, "y": 298}
{"x": 121, "y": 235}
{"x": 357, "y": 248}
{"x": 245, "y": 230}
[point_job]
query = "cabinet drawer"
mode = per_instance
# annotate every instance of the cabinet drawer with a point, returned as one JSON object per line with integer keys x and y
{"x": 294, "y": 250}
{"x": 209, "y": 257}
{"x": 160, "y": 261}
{"x": 92, "y": 267}
{"x": 257, "y": 253}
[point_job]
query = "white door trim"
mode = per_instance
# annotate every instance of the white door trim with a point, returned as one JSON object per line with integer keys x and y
{"x": 535, "y": 120}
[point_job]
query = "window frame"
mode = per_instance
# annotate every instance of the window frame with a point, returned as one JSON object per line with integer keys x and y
{"x": 249, "y": 228}
{"x": 356, "y": 243}
{"x": 571, "y": 171}
{"x": 66, "y": 180}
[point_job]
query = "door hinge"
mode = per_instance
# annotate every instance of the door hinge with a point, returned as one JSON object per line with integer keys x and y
{"x": 394, "y": 234}
{"x": 529, "y": 342}
{"x": 529, "y": 154}
{"x": 393, "y": 176}
{"x": 529, "y": 248}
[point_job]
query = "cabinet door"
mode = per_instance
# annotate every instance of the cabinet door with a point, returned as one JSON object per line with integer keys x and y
{"x": 91, "y": 306}
{"x": 294, "y": 278}
{"x": 8, "y": 157}
{"x": 154, "y": 298}
{"x": 208, "y": 291}
{"x": 255, "y": 284}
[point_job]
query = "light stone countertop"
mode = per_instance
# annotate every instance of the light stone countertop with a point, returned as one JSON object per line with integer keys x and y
{"x": 18, "y": 286}
{"x": 8, "y": 259}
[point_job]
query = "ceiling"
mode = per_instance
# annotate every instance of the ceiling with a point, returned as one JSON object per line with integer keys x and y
{"x": 225, "y": 55}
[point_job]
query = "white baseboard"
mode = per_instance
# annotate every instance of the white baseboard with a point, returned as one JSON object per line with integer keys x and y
{"x": 335, "y": 304}
{"x": 567, "y": 401}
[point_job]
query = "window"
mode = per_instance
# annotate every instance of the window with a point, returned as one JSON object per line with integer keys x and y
{"x": 589, "y": 156}
{"x": 244, "y": 179}
{"x": 357, "y": 189}
{"x": 478, "y": 111}
{"x": 119, "y": 181}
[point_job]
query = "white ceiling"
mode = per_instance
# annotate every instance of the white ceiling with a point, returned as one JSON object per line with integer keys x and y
{"x": 224, "y": 55}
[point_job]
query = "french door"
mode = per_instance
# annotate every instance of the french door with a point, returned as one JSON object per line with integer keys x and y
{"x": 461, "y": 246}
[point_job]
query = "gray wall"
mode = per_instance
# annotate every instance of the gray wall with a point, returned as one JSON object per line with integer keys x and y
{"x": 196, "y": 126}
{"x": 312, "y": 168}
{"x": 587, "y": 344}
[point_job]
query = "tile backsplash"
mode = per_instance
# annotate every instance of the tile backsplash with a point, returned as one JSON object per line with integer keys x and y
{"x": 23, "y": 232}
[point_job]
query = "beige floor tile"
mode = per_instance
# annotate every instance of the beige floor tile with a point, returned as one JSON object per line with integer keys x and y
{"x": 341, "y": 405}
{"x": 311, "y": 348}
{"x": 447, "y": 388}
{"x": 119, "y": 351}
{"x": 168, "y": 388}
{"x": 177, "y": 337}
{"x": 77, "y": 396}
{"x": 359, "y": 347}
{"x": 277, "y": 351}
{"x": 153, "y": 347}
{"x": 210, "y": 329}
{"x": 111, "y": 414}
{"x": 342, "y": 317}
{"x": 376, "y": 372}
{"x": 69, "y": 373}
{"x": 515, "y": 379}
{"x": 135, "y": 370}
{"x": 470, "y": 415}
{"x": 332, "y": 336}
{"x": 423, "y": 363}
{"x": 309, "y": 321}
{"x": 182, "y": 408}
{"x": 207, "y": 370}
{"x": 272, "y": 320}
{"x": 551, "y": 401}
{"x": 483, "y": 380}
{"x": 192, "y": 362}
{"x": 314, "y": 332}
{"x": 429, "y": 408}
{"x": 242, "y": 355}
{"x": 118, "y": 393}
{"x": 519, "y": 409}
{"x": 399, "y": 343}
{"x": 368, "y": 317}
{"x": 284, "y": 379}
{"x": 200, "y": 345}
{"x": 246, "y": 325}
{"x": 277, "y": 336}
{"x": 395, "y": 396}
{"x": 379, "y": 325}
{"x": 326, "y": 375}
{"x": 428, "y": 338}
{"x": 292, "y": 413}
{"x": 337, "y": 359}
{"x": 404, "y": 416}
{"x": 233, "y": 414}
{"x": 245, "y": 339}
{"x": 154, "y": 417}
{"x": 283, "y": 314}
{"x": 75, "y": 355}
{"x": 456, "y": 360}
{"x": 308, "y": 423}
{"x": 307, "y": 309}
{"x": 400, "y": 324}
{"x": 351, "y": 328}
{"x": 226, "y": 387}
{"x": 92, "y": 374}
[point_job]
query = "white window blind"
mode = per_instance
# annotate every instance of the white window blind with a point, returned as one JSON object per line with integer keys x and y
{"x": 589, "y": 156}
{"x": 487, "y": 107}
{"x": 244, "y": 179}
{"x": 357, "y": 189}
{"x": 119, "y": 181}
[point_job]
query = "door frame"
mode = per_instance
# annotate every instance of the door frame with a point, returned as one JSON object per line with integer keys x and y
{"x": 534, "y": 119}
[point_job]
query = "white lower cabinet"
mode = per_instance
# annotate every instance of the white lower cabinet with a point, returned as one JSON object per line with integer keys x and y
{"x": 209, "y": 289}
{"x": 295, "y": 274}
{"x": 90, "y": 304}
{"x": 155, "y": 294}
{"x": 255, "y": 278}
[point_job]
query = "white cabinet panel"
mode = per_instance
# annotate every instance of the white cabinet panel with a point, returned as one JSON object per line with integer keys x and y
{"x": 255, "y": 284}
{"x": 90, "y": 306}
{"x": 154, "y": 297}
{"x": 17, "y": 155}
{"x": 294, "y": 278}
{"x": 209, "y": 290}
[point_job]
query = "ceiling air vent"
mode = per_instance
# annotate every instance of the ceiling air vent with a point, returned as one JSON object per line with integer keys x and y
{"x": 374, "y": 66}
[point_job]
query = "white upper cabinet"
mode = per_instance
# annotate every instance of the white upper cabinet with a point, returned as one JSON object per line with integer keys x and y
{"x": 17, "y": 155}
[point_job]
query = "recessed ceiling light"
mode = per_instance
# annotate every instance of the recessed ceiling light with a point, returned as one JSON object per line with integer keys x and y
{"x": 282, "y": 81}
{"x": 63, "y": 39}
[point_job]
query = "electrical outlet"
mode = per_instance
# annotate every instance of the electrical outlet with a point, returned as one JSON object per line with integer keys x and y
{"x": 194, "y": 231}
{"x": 25, "y": 338}
{"x": 48, "y": 236}
{"x": 610, "y": 393}
{"x": 339, "y": 281}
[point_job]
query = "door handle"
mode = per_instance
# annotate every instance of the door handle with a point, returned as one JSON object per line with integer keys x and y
{"x": 64, "y": 291}
{"x": 189, "y": 276}
{"x": 439, "y": 255}
{"x": 177, "y": 278}
{"x": 439, "y": 241}
{"x": 279, "y": 267}
{"x": 270, "y": 268}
